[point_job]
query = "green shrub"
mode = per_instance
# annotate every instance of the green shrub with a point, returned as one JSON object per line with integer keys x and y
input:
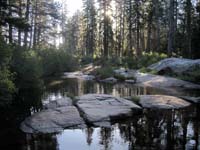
{"x": 192, "y": 76}
{"x": 27, "y": 66}
{"x": 147, "y": 70}
{"x": 143, "y": 61}
{"x": 129, "y": 62}
{"x": 7, "y": 87}
{"x": 120, "y": 77}
{"x": 135, "y": 99}
{"x": 105, "y": 72}
{"x": 5, "y": 53}
{"x": 103, "y": 61}
{"x": 55, "y": 62}
{"x": 87, "y": 60}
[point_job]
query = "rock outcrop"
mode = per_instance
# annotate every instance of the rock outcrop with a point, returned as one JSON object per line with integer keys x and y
{"x": 95, "y": 109}
{"x": 162, "y": 102}
{"x": 101, "y": 109}
{"x": 158, "y": 81}
{"x": 176, "y": 66}
{"x": 155, "y": 81}
{"x": 58, "y": 115}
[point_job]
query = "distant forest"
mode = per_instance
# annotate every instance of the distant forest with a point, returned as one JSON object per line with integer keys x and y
{"x": 104, "y": 28}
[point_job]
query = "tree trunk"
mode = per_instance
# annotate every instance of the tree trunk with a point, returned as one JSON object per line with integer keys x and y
{"x": 27, "y": 19}
{"x": 188, "y": 27}
{"x": 157, "y": 22}
{"x": 171, "y": 29}
{"x": 31, "y": 30}
{"x": 10, "y": 38}
{"x": 130, "y": 28}
{"x": 19, "y": 30}
{"x": 148, "y": 49}
{"x": 138, "y": 51}
{"x": 35, "y": 25}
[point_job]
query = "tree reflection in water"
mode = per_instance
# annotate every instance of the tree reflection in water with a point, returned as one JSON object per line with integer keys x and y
{"x": 74, "y": 87}
{"x": 153, "y": 129}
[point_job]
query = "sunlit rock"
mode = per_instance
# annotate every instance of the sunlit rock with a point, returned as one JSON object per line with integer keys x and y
{"x": 78, "y": 75}
{"x": 158, "y": 81}
{"x": 175, "y": 65}
{"x": 162, "y": 102}
{"x": 58, "y": 116}
{"x": 98, "y": 108}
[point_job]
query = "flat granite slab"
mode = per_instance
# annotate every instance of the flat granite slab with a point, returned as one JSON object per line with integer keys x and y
{"x": 162, "y": 102}
{"x": 58, "y": 115}
{"x": 100, "y": 109}
{"x": 158, "y": 81}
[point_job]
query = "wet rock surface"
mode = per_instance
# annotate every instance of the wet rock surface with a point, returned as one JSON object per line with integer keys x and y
{"x": 101, "y": 109}
{"x": 109, "y": 80}
{"x": 78, "y": 75}
{"x": 95, "y": 109}
{"x": 162, "y": 102}
{"x": 57, "y": 116}
{"x": 63, "y": 102}
{"x": 130, "y": 81}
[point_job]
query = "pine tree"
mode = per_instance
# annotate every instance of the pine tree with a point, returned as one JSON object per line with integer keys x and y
{"x": 90, "y": 26}
{"x": 105, "y": 27}
{"x": 171, "y": 35}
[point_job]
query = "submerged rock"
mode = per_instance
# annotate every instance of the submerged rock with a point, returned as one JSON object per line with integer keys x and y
{"x": 109, "y": 80}
{"x": 162, "y": 102}
{"x": 130, "y": 81}
{"x": 54, "y": 119}
{"x": 100, "y": 109}
{"x": 176, "y": 66}
{"x": 78, "y": 75}
{"x": 58, "y": 103}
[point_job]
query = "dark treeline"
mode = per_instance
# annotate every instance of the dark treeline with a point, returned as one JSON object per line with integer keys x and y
{"x": 28, "y": 34}
{"x": 38, "y": 37}
{"x": 29, "y": 23}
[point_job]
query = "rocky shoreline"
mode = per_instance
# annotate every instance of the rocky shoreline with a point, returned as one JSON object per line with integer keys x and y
{"x": 101, "y": 110}
{"x": 96, "y": 110}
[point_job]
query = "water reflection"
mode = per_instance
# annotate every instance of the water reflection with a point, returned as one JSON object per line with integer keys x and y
{"x": 41, "y": 142}
{"x": 154, "y": 130}
{"x": 75, "y": 87}
{"x": 25, "y": 103}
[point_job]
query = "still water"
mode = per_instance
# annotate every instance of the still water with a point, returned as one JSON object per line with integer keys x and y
{"x": 157, "y": 130}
